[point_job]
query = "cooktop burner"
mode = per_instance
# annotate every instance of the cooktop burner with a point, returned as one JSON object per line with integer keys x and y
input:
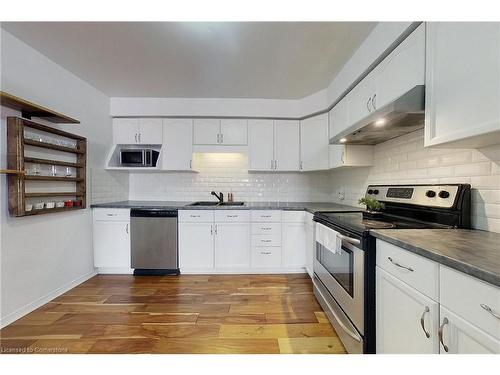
{"x": 356, "y": 222}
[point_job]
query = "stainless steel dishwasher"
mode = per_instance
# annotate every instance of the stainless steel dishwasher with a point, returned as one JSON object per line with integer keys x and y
{"x": 153, "y": 238}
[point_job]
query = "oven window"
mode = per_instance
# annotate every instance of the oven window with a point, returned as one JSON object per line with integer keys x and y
{"x": 339, "y": 265}
{"x": 132, "y": 157}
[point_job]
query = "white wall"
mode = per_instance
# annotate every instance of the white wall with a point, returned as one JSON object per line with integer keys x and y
{"x": 404, "y": 160}
{"x": 43, "y": 255}
{"x": 228, "y": 172}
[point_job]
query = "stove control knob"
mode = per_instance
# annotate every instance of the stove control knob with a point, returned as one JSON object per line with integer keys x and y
{"x": 375, "y": 191}
{"x": 443, "y": 194}
{"x": 430, "y": 193}
{"x": 370, "y": 191}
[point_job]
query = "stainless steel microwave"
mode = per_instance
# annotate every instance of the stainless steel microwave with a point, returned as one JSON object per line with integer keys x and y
{"x": 138, "y": 157}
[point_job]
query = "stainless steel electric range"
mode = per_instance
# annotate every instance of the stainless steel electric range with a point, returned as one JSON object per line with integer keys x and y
{"x": 344, "y": 264}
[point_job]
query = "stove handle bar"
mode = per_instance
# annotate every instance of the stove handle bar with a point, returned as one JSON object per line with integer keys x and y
{"x": 354, "y": 241}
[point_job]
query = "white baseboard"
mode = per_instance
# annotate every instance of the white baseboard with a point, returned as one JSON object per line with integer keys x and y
{"x": 115, "y": 271}
{"x": 245, "y": 271}
{"x": 26, "y": 309}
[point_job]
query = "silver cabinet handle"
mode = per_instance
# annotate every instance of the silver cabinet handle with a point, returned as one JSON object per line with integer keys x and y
{"x": 139, "y": 137}
{"x": 440, "y": 333}
{"x": 422, "y": 321}
{"x": 400, "y": 265}
{"x": 215, "y": 229}
{"x": 111, "y": 214}
{"x": 368, "y": 104}
{"x": 211, "y": 230}
{"x": 272, "y": 165}
{"x": 190, "y": 164}
{"x": 135, "y": 137}
{"x": 265, "y": 228}
{"x": 265, "y": 252}
{"x": 221, "y": 137}
{"x": 301, "y": 165}
{"x": 126, "y": 228}
{"x": 354, "y": 241}
{"x": 276, "y": 164}
{"x": 342, "y": 159}
{"x": 218, "y": 137}
{"x": 487, "y": 308}
{"x": 374, "y": 102}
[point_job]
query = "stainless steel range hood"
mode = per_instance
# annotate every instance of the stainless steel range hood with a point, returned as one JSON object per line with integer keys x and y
{"x": 402, "y": 116}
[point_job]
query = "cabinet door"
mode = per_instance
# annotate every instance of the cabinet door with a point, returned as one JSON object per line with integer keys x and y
{"x": 261, "y": 145}
{"x": 111, "y": 244}
{"x": 360, "y": 99}
{"x": 462, "y": 83}
{"x": 232, "y": 245}
{"x": 125, "y": 131}
{"x": 402, "y": 70}
{"x": 461, "y": 337}
{"x": 293, "y": 252}
{"x": 196, "y": 246}
{"x": 234, "y": 132}
{"x": 206, "y": 131}
{"x": 150, "y": 131}
{"x": 339, "y": 117}
{"x": 400, "y": 309}
{"x": 310, "y": 245}
{"x": 337, "y": 156}
{"x": 286, "y": 145}
{"x": 314, "y": 143}
{"x": 177, "y": 148}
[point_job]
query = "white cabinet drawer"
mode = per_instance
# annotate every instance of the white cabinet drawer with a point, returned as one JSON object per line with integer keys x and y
{"x": 470, "y": 298}
{"x": 196, "y": 216}
{"x": 420, "y": 273}
{"x": 112, "y": 214}
{"x": 266, "y": 257}
{"x": 268, "y": 216}
{"x": 232, "y": 216}
{"x": 266, "y": 229}
{"x": 258, "y": 240}
{"x": 294, "y": 216}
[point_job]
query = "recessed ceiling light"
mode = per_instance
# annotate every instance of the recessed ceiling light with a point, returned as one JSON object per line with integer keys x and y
{"x": 343, "y": 140}
{"x": 380, "y": 122}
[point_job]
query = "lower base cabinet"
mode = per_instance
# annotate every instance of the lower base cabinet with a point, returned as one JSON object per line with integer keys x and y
{"x": 293, "y": 253}
{"x": 310, "y": 244}
{"x": 406, "y": 319}
{"x": 461, "y": 337}
{"x": 232, "y": 245}
{"x": 196, "y": 246}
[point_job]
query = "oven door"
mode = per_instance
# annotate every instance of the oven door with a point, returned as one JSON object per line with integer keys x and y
{"x": 339, "y": 264}
{"x": 133, "y": 158}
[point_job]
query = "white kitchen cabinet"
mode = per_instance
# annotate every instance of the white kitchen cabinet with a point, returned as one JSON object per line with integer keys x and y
{"x": 461, "y": 337}
{"x": 314, "y": 143}
{"x": 404, "y": 317}
{"x": 462, "y": 84}
{"x": 339, "y": 117}
{"x": 286, "y": 145}
{"x": 231, "y": 132}
{"x": 350, "y": 156}
{"x": 137, "y": 131}
{"x": 274, "y": 145}
{"x": 111, "y": 239}
{"x": 234, "y": 132}
{"x": 177, "y": 148}
{"x": 206, "y": 131}
{"x": 310, "y": 244}
{"x": 293, "y": 254}
{"x": 402, "y": 70}
{"x": 261, "y": 145}
{"x": 196, "y": 246}
{"x": 360, "y": 99}
{"x": 232, "y": 245}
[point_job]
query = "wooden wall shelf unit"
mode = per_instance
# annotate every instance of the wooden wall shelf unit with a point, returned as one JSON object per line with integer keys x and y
{"x": 16, "y": 160}
{"x": 29, "y": 109}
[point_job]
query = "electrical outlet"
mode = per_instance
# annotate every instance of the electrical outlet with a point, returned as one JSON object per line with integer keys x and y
{"x": 341, "y": 195}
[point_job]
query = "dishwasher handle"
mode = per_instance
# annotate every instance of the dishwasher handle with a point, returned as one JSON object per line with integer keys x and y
{"x": 152, "y": 213}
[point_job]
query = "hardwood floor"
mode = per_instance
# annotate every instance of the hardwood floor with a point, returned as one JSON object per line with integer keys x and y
{"x": 186, "y": 314}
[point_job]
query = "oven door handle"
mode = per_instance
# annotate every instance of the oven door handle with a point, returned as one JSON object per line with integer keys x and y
{"x": 346, "y": 329}
{"x": 354, "y": 241}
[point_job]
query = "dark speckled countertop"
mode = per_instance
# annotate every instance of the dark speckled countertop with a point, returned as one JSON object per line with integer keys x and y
{"x": 311, "y": 207}
{"x": 474, "y": 252}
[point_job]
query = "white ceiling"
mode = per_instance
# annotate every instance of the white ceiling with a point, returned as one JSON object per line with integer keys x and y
{"x": 275, "y": 60}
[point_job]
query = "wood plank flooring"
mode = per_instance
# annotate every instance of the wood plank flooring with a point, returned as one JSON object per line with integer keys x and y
{"x": 231, "y": 314}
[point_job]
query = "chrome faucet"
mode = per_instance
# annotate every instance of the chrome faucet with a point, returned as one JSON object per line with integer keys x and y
{"x": 220, "y": 197}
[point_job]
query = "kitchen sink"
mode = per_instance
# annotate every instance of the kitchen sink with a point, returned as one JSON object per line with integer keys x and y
{"x": 211, "y": 203}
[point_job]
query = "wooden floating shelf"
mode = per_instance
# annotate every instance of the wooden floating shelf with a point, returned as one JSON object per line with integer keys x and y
{"x": 29, "y": 109}
{"x": 52, "y": 162}
{"x": 52, "y": 178}
{"x": 52, "y": 147}
{"x": 12, "y": 171}
{"x": 57, "y": 194}
{"x": 50, "y": 210}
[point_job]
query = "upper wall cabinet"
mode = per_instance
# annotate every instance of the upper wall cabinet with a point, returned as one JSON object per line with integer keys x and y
{"x": 220, "y": 132}
{"x": 274, "y": 145}
{"x": 314, "y": 143}
{"x": 145, "y": 131}
{"x": 177, "y": 149}
{"x": 339, "y": 117}
{"x": 462, "y": 84}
